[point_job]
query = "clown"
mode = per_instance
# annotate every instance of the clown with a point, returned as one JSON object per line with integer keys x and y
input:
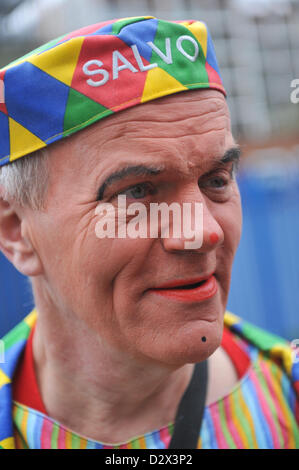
{"x": 129, "y": 344}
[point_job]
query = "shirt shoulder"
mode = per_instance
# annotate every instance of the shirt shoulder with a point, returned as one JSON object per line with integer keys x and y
{"x": 272, "y": 346}
{"x": 13, "y": 345}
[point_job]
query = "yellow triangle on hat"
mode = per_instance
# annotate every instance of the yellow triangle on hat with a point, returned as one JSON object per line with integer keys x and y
{"x": 159, "y": 83}
{"x": 22, "y": 141}
{"x": 4, "y": 379}
{"x": 60, "y": 61}
{"x": 8, "y": 443}
{"x": 199, "y": 30}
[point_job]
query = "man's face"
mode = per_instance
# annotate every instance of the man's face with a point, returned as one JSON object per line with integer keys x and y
{"x": 109, "y": 284}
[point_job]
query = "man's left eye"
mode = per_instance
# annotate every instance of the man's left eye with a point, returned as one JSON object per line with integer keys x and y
{"x": 218, "y": 182}
{"x": 139, "y": 191}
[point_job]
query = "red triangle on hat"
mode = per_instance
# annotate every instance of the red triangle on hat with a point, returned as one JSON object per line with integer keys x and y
{"x": 2, "y": 99}
{"x": 3, "y": 108}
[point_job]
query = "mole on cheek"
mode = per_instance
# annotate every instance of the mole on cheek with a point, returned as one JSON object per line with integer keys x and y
{"x": 203, "y": 339}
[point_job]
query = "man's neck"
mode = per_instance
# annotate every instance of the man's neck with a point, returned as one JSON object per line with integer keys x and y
{"x": 97, "y": 393}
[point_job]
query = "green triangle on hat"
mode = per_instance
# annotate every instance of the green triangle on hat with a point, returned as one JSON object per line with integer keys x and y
{"x": 81, "y": 111}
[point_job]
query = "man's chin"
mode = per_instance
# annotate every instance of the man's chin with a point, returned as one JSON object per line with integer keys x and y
{"x": 190, "y": 344}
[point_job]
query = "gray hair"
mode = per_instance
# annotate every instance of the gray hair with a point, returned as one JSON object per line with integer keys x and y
{"x": 25, "y": 180}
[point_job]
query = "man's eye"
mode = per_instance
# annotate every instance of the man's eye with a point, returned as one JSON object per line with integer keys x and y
{"x": 218, "y": 182}
{"x": 218, "y": 186}
{"x": 138, "y": 191}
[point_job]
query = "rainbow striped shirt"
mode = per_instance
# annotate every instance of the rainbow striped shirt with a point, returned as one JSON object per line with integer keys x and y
{"x": 262, "y": 410}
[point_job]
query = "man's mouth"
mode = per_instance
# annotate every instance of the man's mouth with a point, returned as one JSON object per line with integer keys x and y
{"x": 185, "y": 286}
{"x": 188, "y": 290}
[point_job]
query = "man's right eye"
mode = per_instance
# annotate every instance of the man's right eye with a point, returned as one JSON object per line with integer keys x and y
{"x": 138, "y": 191}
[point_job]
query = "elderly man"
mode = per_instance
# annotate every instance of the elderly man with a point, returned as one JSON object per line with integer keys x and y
{"x": 117, "y": 350}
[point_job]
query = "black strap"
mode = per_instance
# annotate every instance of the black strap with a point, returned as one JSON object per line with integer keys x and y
{"x": 190, "y": 411}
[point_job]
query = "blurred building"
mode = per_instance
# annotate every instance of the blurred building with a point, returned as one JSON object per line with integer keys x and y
{"x": 256, "y": 41}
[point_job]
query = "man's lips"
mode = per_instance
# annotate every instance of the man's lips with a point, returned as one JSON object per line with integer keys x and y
{"x": 184, "y": 282}
{"x": 188, "y": 290}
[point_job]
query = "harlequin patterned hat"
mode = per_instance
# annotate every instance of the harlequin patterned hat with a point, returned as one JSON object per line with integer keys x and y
{"x": 84, "y": 76}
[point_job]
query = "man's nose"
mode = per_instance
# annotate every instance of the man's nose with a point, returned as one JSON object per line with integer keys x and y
{"x": 198, "y": 231}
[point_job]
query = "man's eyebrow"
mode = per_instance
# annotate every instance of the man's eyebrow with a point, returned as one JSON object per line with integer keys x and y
{"x": 232, "y": 155}
{"x": 135, "y": 170}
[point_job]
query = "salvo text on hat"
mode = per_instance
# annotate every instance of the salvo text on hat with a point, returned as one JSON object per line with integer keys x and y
{"x": 82, "y": 77}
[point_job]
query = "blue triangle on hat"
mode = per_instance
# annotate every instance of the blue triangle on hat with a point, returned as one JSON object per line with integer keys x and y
{"x": 211, "y": 55}
{"x": 4, "y": 139}
{"x": 140, "y": 33}
{"x": 36, "y": 100}
{"x": 104, "y": 30}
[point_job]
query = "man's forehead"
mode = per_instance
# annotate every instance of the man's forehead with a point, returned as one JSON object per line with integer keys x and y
{"x": 170, "y": 108}
{"x": 190, "y": 113}
{"x": 180, "y": 142}
{"x": 131, "y": 145}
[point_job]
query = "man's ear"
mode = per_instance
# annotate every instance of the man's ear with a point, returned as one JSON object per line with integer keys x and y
{"x": 14, "y": 244}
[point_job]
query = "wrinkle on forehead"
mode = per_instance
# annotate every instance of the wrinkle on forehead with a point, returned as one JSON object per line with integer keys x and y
{"x": 193, "y": 124}
{"x": 207, "y": 111}
{"x": 172, "y": 108}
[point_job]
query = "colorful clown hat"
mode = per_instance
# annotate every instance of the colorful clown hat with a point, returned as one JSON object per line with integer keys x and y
{"x": 82, "y": 77}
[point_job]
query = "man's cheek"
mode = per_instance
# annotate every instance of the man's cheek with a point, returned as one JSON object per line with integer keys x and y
{"x": 231, "y": 222}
